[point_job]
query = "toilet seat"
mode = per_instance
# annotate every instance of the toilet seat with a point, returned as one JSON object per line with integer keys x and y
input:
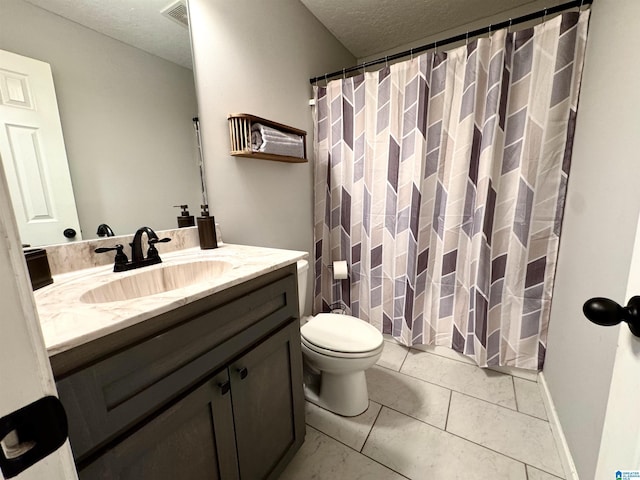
{"x": 335, "y": 354}
{"x": 342, "y": 336}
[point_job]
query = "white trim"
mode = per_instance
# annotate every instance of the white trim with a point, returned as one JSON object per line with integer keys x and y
{"x": 531, "y": 375}
{"x": 24, "y": 365}
{"x": 569, "y": 467}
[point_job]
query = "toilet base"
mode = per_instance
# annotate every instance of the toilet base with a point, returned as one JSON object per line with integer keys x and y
{"x": 344, "y": 394}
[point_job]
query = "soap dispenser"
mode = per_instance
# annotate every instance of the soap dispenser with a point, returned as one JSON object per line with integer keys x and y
{"x": 207, "y": 229}
{"x": 185, "y": 220}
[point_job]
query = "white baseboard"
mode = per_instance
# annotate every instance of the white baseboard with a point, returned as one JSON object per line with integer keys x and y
{"x": 569, "y": 467}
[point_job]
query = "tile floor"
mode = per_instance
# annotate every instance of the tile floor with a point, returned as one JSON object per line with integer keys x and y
{"x": 432, "y": 417}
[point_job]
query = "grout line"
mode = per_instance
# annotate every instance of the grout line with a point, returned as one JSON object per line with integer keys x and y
{"x": 406, "y": 355}
{"x": 502, "y": 453}
{"x": 359, "y": 452}
{"x": 515, "y": 394}
{"x": 469, "y": 360}
{"x": 373, "y": 459}
{"x": 468, "y": 394}
{"x": 450, "y": 388}
{"x": 497, "y": 452}
{"x": 501, "y": 406}
{"x": 372, "y": 425}
{"x": 555, "y": 477}
{"x": 446, "y": 422}
{"x": 412, "y": 417}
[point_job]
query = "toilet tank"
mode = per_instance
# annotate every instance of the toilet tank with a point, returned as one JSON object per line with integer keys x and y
{"x": 303, "y": 271}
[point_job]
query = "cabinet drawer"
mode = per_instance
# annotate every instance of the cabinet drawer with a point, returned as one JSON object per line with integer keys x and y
{"x": 113, "y": 394}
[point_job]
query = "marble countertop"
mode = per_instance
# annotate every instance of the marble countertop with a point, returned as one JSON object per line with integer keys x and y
{"x": 68, "y": 322}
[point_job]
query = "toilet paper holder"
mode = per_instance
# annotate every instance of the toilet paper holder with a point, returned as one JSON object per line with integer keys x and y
{"x": 339, "y": 306}
{"x": 606, "y": 312}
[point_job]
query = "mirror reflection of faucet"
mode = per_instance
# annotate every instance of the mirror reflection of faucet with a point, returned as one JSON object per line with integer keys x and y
{"x": 105, "y": 230}
{"x": 138, "y": 260}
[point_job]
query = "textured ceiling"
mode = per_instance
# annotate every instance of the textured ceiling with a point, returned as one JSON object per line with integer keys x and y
{"x": 366, "y": 27}
{"x": 135, "y": 22}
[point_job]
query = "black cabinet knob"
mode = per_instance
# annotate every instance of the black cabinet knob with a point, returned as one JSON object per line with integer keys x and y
{"x": 69, "y": 233}
{"x": 224, "y": 387}
{"x": 243, "y": 373}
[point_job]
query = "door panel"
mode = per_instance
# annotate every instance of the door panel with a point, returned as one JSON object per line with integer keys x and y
{"x": 33, "y": 151}
{"x": 267, "y": 397}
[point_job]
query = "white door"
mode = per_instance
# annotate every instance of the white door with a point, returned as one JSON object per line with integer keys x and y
{"x": 25, "y": 372}
{"x": 620, "y": 444}
{"x": 33, "y": 151}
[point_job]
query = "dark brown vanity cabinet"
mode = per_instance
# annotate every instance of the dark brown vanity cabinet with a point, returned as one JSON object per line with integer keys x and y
{"x": 191, "y": 402}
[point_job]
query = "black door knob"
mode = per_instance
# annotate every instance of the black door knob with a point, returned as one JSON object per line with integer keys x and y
{"x": 606, "y": 312}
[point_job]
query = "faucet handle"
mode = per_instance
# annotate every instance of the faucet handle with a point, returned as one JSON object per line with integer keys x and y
{"x": 153, "y": 251}
{"x": 121, "y": 257}
{"x": 153, "y": 241}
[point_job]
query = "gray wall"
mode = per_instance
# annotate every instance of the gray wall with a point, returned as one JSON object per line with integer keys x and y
{"x": 257, "y": 57}
{"x": 126, "y": 118}
{"x": 599, "y": 227}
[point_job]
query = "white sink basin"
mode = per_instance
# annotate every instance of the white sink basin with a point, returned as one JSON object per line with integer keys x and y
{"x": 156, "y": 280}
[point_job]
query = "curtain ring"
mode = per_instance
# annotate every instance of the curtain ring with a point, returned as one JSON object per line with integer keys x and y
{"x": 509, "y": 27}
{"x": 544, "y": 18}
{"x": 344, "y": 76}
{"x": 466, "y": 38}
{"x": 325, "y": 79}
{"x": 436, "y": 48}
{"x": 411, "y": 52}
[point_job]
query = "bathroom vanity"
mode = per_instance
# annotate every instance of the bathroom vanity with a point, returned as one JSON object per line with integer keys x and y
{"x": 203, "y": 381}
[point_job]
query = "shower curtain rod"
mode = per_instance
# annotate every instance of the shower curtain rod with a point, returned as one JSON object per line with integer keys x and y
{"x": 464, "y": 36}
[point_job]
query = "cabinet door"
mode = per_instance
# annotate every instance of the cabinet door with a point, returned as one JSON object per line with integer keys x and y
{"x": 268, "y": 404}
{"x": 183, "y": 442}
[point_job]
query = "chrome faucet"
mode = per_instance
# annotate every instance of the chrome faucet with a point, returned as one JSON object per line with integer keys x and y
{"x": 138, "y": 260}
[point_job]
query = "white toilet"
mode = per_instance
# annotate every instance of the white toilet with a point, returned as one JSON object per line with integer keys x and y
{"x": 336, "y": 350}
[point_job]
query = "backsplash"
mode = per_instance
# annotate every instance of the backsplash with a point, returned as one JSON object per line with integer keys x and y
{"x": 69, "y": 257}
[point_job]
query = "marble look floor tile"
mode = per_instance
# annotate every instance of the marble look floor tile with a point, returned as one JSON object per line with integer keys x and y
{"x": 529, "y": 398}
{"x": 514, "y": 434}
{"x": 420, "y": 451}
{"x": 352, "y": 431}
{"x": 481, "y": 383}
{"x": 535, "y": 474}
{"x": 323, "y": 458}
{"x": 393, "y": 355}
{"x": 411, "y": 396}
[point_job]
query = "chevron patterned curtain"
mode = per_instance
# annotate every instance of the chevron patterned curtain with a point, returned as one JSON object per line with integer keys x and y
{"x": 441, "y": 181}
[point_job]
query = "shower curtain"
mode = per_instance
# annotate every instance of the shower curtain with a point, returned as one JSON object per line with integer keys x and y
{"x": 441, "y": 181}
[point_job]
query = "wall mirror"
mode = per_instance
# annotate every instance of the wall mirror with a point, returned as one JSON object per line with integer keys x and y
{"x": 126, "y": 99}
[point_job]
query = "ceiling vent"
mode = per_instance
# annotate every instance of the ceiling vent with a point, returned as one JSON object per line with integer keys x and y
{"x": 177, "y": 12}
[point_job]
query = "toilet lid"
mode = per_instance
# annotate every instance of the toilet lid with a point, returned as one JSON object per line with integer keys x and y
{"x": 341, "y": 333}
